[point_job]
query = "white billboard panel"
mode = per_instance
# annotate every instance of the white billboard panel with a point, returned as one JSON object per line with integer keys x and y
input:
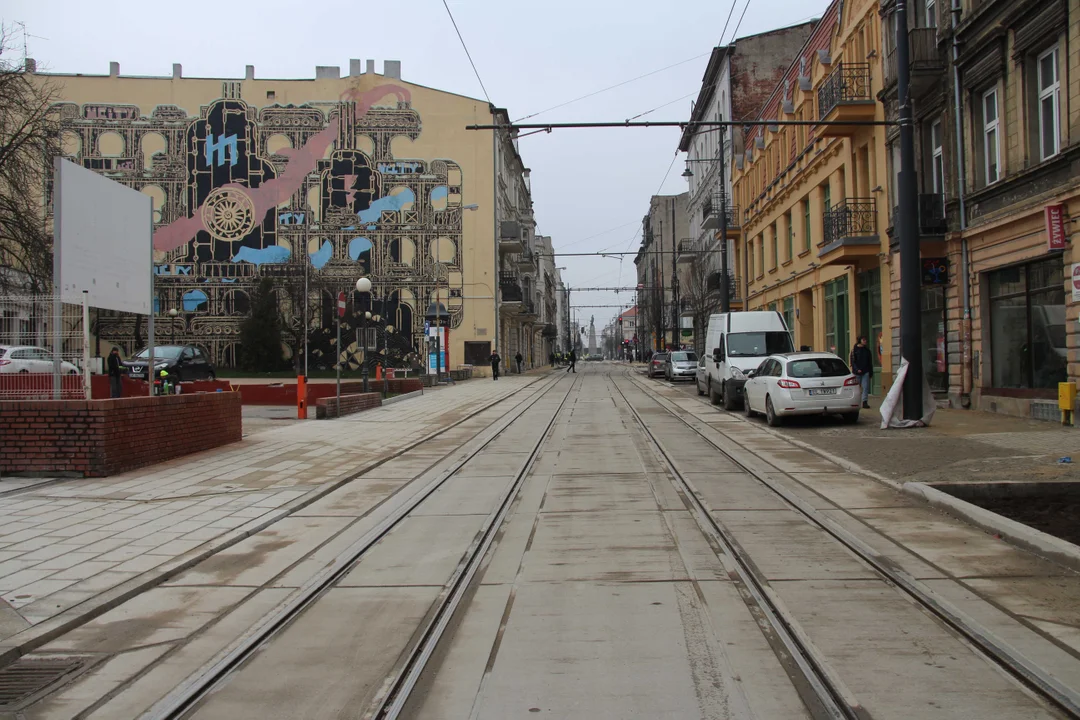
{"x": 102, "y": 240}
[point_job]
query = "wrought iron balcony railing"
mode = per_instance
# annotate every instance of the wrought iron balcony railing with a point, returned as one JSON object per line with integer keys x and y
{"x": 710, "y": 214}
{"x": 849, "y": 82}
{"x": 510, "y": 287}
{"x": 714, "y": 281}
{"x": 852, "y": 218}
{"x": 932, "y": 217}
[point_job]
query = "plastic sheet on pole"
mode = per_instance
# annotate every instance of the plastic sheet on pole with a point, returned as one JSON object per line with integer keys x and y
{"x": 892, "y": 409}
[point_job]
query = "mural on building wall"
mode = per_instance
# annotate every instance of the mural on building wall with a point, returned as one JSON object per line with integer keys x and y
{"x": 294, "y": 192}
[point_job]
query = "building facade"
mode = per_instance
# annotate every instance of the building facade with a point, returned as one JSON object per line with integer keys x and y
{"x": 813, "y": 198}
{"x": 313, "y": 183}
{"x": 658, "y": 282}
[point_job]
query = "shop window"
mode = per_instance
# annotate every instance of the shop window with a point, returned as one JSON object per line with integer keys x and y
{"x": 869, "y": 284}
{"x": 789, "y": 314}
{"x": 836, "y": 317}
{"x": 934, "y": 337}
{"x": 1027, "y": 326}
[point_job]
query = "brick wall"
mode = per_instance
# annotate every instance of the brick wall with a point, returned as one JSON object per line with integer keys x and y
{"x": 285, "y": 393}
{"x": 103, "y": 437}
{"x": 327, "y": 407}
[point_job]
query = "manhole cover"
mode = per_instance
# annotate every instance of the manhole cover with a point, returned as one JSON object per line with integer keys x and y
{"x": 24, "y": 678}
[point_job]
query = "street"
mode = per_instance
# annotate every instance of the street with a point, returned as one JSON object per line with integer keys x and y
{"x": 585, "y": 547}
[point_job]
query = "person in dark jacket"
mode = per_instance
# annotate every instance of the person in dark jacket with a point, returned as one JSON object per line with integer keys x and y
{"x": 519, "y": 359}
{"x": 495, "y": 360}
{"x": 572, "y": 362}
{"x": 862, "y": 364}
{"x": 116, "y": 382}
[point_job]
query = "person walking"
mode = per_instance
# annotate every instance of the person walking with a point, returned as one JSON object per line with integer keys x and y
{"x": 572, "y": 362}
{"x": 116, "y": 381}
{"x": 862, "y": 364}
{"x": 495, "y": 360}
{"x": 551, "y": 358}
{"x": 518, "y": 359}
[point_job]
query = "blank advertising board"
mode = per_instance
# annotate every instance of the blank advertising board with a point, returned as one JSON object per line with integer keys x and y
{"x": 102, "y": 240}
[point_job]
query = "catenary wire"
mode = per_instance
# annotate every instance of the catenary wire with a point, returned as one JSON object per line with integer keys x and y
{"x": 467, "y": 53}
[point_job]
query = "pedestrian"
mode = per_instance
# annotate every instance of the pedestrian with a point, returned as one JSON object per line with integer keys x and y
{"x": 862, "y": 364}
{"x": 116, "y": 379}
{"x": 572, "y": 362}
{"x": 495, "y": 360}
{"x": 518, "y": 358}
{"x": 551, "y": 358}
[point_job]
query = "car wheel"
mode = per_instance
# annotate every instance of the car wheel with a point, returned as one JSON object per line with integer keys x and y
{"x": 773, "y": 419}
{"x": 211, "y": 377}
{"x": 73, "y": 372}
{"x": 729, "y": 399}
{"x": 850, "y": 418}
{"x": 24, "y": 370}
{"x": 714, "y": 397}
{"x": 746, "y": 406}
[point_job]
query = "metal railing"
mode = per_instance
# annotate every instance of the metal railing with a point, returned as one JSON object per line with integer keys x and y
{"x": 710, "y": 209}
{"x": 714, "y": 281}
{"x": 849, "y": 82}
{"x": 686, "y": 246}
{"x": 28, "y": 348}
{"x": 932, "y": 217}
{"x": 923, "y": 49}
{"x": 510, "y": 287}
{"x": 856, "y": 217}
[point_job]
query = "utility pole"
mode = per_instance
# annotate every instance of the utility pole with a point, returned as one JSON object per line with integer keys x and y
{"x": 908, "y": 220}
{"x": 725, "y": 293}
{"x": 675, "y": 329}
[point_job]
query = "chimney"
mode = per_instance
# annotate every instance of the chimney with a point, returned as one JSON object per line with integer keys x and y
{"x": 355, "y": 68}
{"x": 370, "y": 67}
{"x": 249, "y": 72}
{"x": 30, "y": 66}
{"x": 392, "y": 69}
{"x": 177, "y": 71}
{"x": 327, "y": 72}
{"x": 114, "y": 69}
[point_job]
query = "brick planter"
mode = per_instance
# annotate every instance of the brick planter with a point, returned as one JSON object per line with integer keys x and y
{"x": 97, "y": 438}
{"x": 327, "y": 407}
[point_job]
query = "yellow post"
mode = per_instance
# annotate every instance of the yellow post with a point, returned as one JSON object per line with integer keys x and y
{"x": 1066, "y": 401}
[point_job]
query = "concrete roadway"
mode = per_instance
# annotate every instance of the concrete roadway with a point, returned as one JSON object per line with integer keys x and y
{"x": 603, "y": 597}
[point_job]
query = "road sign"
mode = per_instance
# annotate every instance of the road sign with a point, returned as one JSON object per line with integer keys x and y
{"x": 341, "y": 304}
{"x": 1076, "y": 281}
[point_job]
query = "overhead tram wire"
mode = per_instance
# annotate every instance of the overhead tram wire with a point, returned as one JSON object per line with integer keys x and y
{"x": 467, "y": 53}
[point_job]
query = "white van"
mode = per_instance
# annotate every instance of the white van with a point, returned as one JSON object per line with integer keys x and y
{"x": 736, "y": 343}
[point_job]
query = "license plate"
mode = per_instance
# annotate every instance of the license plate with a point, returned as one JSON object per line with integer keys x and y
{"x": 823, "y": 391}
{"x": 135, "y": 374}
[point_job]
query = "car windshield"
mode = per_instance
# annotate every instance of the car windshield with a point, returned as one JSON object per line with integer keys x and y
{"x": 684, "y": 357}
{"x": 165, "y": 352}
{"x": 756, "y": 344}
{"x": 659, "y": 357}
{"x": 817, "y": 367}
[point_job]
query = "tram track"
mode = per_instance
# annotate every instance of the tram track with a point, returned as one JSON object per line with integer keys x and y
{"x": 185, "y": 698}
{"x": 830, "y": 698}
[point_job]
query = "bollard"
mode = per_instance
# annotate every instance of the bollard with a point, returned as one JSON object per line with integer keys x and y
{"x": 301, "y": 397}
{"x": 378, "y": 371}
{"x": 1066, "y": 401}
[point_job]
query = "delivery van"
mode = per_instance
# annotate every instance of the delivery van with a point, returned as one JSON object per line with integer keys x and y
{"x": 736, "y": 343}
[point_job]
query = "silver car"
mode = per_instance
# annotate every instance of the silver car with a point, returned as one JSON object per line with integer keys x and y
{"x": 681, "y": 365}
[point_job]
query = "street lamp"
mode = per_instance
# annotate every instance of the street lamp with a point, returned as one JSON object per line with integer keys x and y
{"x": 363, "y": 285}
{"x": 173, "y": 312}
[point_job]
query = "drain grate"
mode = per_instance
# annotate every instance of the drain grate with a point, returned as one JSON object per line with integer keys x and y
{"x": 24, "y": 678}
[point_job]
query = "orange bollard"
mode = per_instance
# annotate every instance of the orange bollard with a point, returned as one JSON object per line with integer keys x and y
{"x": 378, "y": 371}
{"x": 301, "y": 397}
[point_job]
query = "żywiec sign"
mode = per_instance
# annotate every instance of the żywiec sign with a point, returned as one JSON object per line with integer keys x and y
{"x": 1055, "y": 227}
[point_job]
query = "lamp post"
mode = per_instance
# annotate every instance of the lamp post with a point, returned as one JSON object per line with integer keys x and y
{"x": 173, "y": 312}
{"x": 363, "y": 285}
{"x": 387, "y": 330}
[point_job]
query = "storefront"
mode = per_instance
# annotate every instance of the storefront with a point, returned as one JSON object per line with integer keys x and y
{"x": 869, "y": 284}
{"x": 836, "y": 317}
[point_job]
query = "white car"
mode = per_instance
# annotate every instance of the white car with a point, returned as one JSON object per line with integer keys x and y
{"x": 805, "y": 383}
{"x": 30, "y": 359}
{"x": 681, "y": 364}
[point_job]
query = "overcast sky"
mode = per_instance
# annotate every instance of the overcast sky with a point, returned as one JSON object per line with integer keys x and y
{"x": 590, "y": 187}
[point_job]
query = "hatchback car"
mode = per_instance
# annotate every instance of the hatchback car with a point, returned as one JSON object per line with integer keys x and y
{"x": 31, "y": 359}
{"x": 181, "y": 362}
{"x": 681, "y": 365}
{"x": 807, "y": 383}
{"x": 656, "y": 364}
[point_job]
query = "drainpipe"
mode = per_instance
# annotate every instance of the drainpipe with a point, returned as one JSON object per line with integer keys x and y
{"x": 965, "y": 278}
{"x": 495, "y": 222}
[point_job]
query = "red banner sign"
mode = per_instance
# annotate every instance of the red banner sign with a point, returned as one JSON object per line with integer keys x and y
{"x": 1055, "y": 227}
{"x": 341, "y": 304}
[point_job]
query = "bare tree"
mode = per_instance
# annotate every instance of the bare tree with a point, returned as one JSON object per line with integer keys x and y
{"x": 29, "y": 139}
{"x": 696, "y": 298}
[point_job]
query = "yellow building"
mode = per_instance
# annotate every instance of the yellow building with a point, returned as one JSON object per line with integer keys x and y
{"x": 815, "y": 213}
{"x": 314, "y": 182}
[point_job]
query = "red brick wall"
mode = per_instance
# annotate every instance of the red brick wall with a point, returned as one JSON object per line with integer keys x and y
{"x": 285, "y": 393}
{"x": 327, "y": 407}
{"x": 103, "y": 437}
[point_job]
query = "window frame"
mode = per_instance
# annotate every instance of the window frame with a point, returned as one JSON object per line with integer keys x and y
{"x": 1053, "y": 93}
{"x": 989, "y": 127}
{"x": 930, "y": 13}
{"x": 937, "y": 157}
{"x": 807, "y": 236}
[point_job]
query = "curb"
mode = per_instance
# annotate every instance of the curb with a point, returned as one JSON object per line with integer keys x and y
{"x": 1016, "y": 533}
{"x": 399, "y": 398}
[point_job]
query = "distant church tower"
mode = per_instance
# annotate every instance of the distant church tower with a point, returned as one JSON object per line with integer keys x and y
{"x": 592, "y": 336}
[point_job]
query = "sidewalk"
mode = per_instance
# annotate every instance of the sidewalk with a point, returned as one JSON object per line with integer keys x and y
{"x": 73, "y": 546}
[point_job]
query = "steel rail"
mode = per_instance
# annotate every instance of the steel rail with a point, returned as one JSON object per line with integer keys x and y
{"x": 830, "y": 699}
{"x": 992, "y": 647}
{"x": 405, "y": 679}
{"x": 185, "y": 696}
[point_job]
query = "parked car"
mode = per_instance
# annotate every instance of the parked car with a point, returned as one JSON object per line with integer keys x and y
{"x": 31, "y": 359}
{"x": 182, "y": 362}
{"x": 701, "y": 376}
{"x": 806, "y": 383}
{"x": 656, "y": 364}
{"x": 738, "y": 342}
{"x": 680, "y": 365}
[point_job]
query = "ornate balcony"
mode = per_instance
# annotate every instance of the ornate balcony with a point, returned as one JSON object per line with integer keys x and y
{"x": 511, "y": 238}
{"x": 843, "y": 97}
{"x": 926, "y": 61}
{"x": 686, "y": 254}
{"x": 509, "y": 288}
{"x": 710, "y": 214}
{"x": 851, "y": 234}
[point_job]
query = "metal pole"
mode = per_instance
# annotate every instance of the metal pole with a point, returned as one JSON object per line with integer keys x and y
{"x": 725, "y": 292}
{"x": 907, "y": 219}
{"x": 150, "y": 322}
{"x": 86, "y": 344}
{"x": 675, "y": 329}
{"x": 337, "y": 390}
{"x": 961, "y": 187}
{"x": 364, "y": 362}
{"x": 307, "y": 251}
{"x": 495, "y": 227}
{"x": 58, "y": 304}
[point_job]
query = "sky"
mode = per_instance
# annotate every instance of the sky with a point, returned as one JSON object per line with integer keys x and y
{"x": 590, "y": 187}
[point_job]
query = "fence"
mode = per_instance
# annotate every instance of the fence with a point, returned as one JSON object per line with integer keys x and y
{"x": 30, "y": 347}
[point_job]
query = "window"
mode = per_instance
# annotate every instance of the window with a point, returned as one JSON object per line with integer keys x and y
{"x": 790, "y": 238}
{"x": 817, "y": 368}
{"x": 806, "y": 223}
{"x": 836, "y": 316}
{"x": 931, "y": 14}
{"x": 761, "y": 254}
{"x": 775, "y": 251}
{"x": 1027, "y": 326}
{"x": 756, "y": 344}
{"x": 937, "y": 167}
{"x": 990, "y": 136}
{"x": 789, "y": 312}
{"x": 750, "y": 259}
{"x": 826, "y": 194}
{"x": 1049, "y": 103}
